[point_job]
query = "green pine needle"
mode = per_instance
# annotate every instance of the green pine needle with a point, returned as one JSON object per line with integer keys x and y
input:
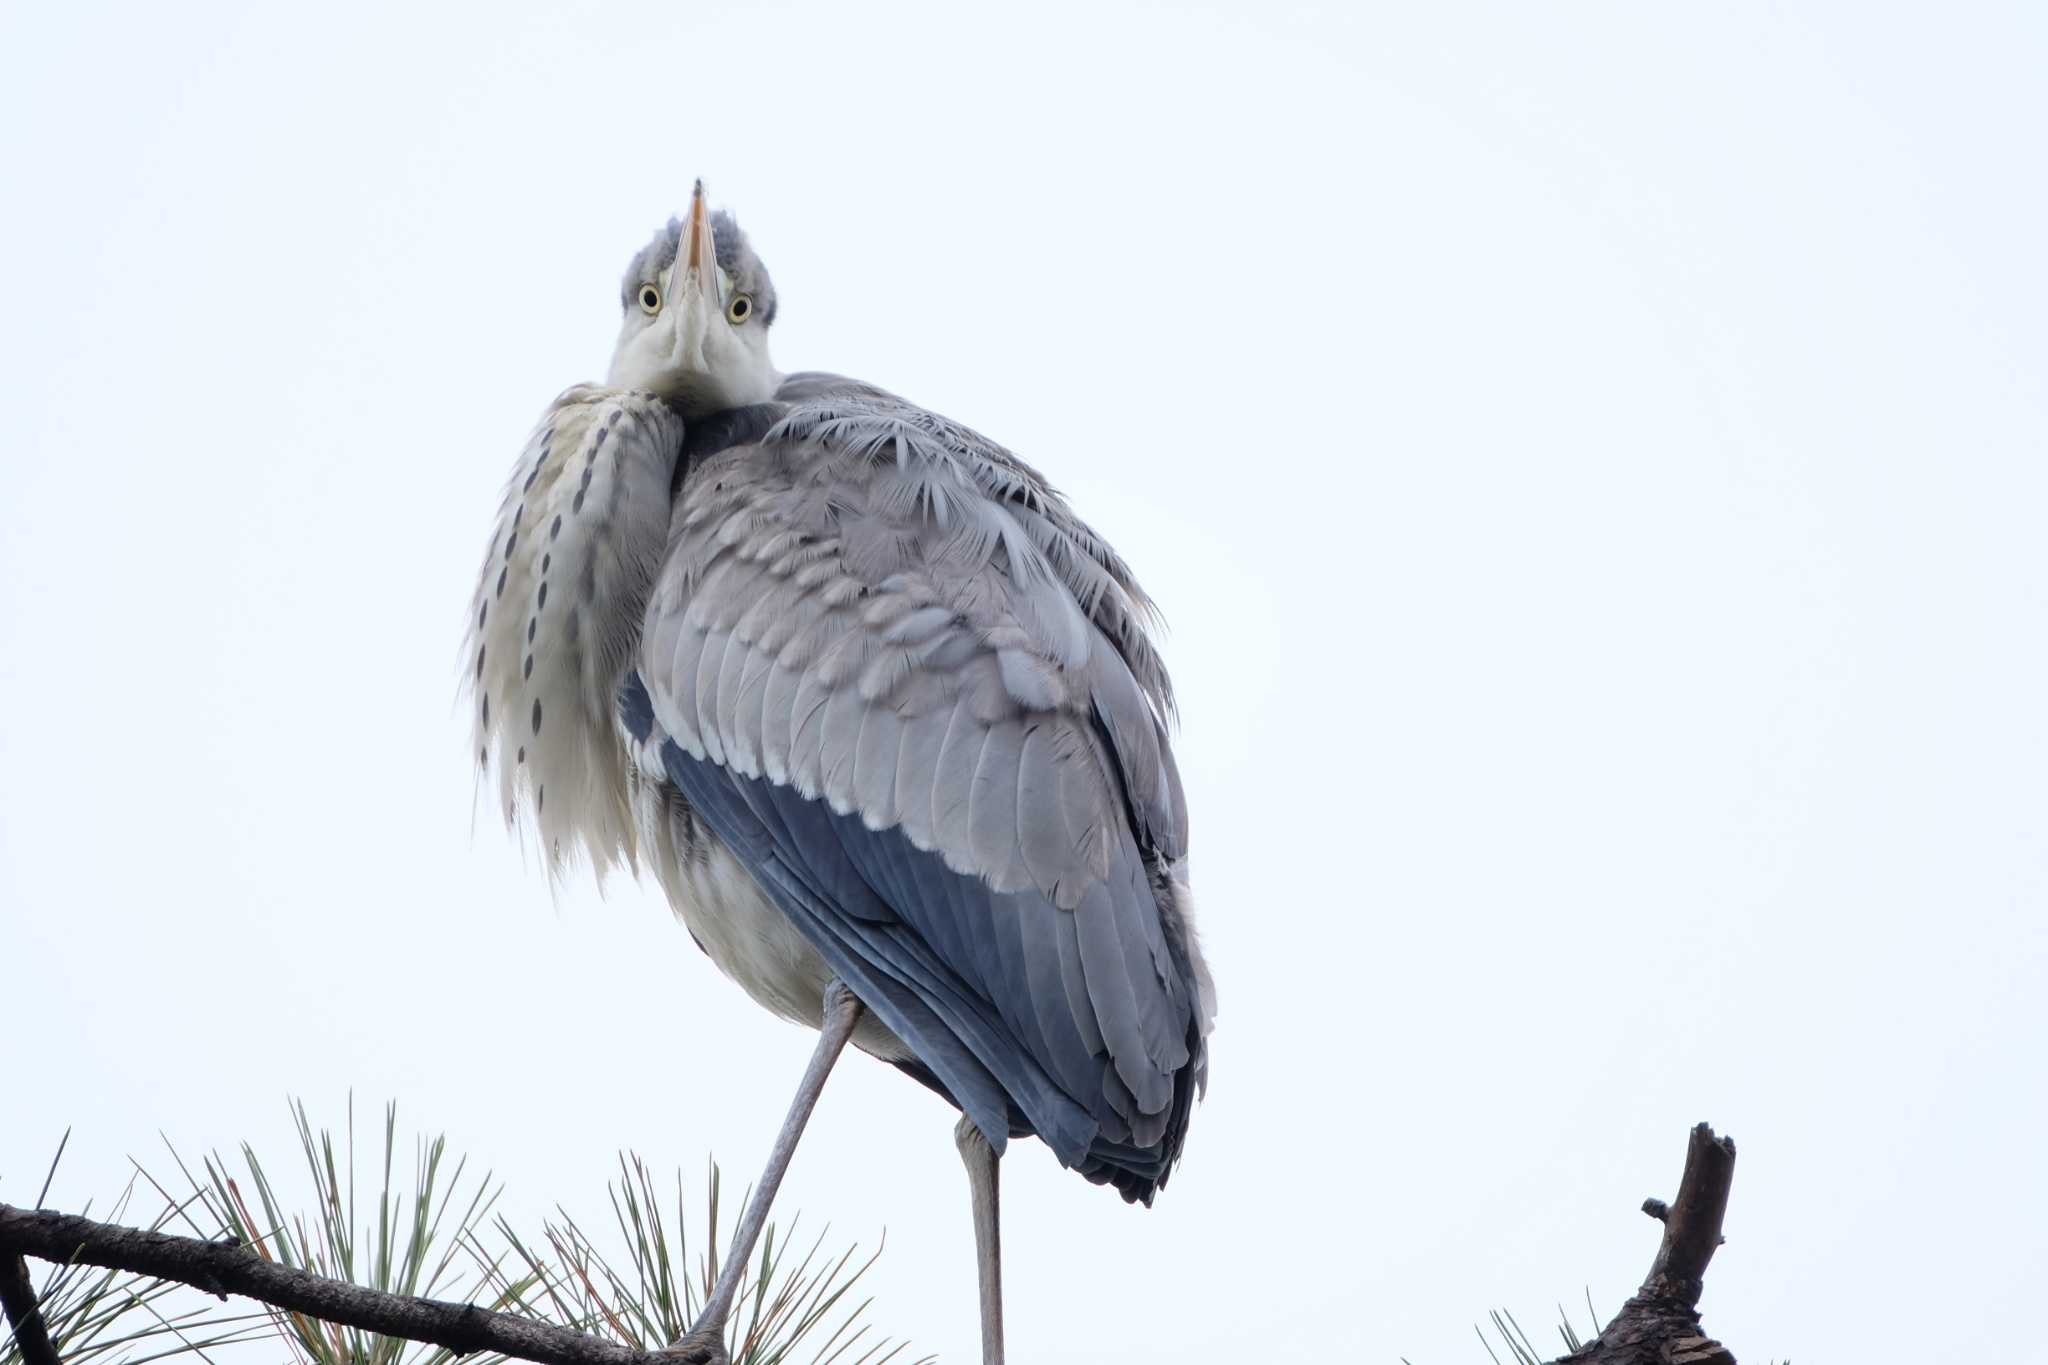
{"x": 434, "y": 1236}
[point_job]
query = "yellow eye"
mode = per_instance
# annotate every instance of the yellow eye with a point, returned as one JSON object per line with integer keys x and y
{"x": 650, "y": 299}
{"x": 740, "y": 309}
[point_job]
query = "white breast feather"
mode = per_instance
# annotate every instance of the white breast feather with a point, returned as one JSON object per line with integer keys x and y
{"x": 557, "y": 613}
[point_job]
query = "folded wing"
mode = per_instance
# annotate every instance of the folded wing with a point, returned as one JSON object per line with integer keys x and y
{"x": 918, "y": 695}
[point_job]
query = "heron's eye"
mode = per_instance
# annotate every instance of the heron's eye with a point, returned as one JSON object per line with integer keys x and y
{"x": 650, "y": 299}
{"x": 740, "y": 309}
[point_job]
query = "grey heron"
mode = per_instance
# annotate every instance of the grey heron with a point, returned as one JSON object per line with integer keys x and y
{"x": 882, "y": 713}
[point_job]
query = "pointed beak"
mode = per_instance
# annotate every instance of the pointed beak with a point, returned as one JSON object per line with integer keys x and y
{"x": 696, "y": 255}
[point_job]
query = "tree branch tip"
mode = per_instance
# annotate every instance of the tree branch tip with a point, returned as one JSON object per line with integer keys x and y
{"x": 1705, "y": 1133}
{"x": 1657, "y": 1208}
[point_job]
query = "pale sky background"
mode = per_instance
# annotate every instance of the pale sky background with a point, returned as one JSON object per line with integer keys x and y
{"x": 1591, "y": 457}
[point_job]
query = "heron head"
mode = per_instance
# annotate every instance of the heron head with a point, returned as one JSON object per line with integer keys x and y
{"x": 698, "y": 304}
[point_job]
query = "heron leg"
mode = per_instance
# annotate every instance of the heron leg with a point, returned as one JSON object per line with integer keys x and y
{"x": 705, "y": 1343}
{"x": 981, "y": 1159}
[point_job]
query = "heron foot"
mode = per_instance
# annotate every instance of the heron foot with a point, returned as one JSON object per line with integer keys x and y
{"x": 705, "y": 1346}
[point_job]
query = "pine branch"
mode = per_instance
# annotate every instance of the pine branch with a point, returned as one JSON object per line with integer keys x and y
{"x": 223, "y": 1268}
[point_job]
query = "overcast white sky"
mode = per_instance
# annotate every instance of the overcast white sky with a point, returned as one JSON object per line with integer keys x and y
{"x": 1591, "y": 457}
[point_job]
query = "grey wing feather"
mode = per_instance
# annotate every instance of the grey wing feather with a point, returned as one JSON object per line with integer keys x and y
{"x": 878, "y": 611}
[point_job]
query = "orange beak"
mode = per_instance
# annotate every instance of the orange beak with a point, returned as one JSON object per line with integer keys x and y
{"x": 696, "y": 253}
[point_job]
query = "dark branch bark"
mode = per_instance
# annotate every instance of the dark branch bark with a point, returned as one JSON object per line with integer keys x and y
{"x": 230, "y": 1268}
{"x": 1660, "y": 1325}
{"x": 24, "y": 1314}
{"x": 1692, "y": 1225}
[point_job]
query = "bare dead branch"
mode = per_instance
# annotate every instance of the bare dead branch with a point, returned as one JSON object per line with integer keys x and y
{"x": 1692, "y": 1225}
{"x": 1661, "y": 1324}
